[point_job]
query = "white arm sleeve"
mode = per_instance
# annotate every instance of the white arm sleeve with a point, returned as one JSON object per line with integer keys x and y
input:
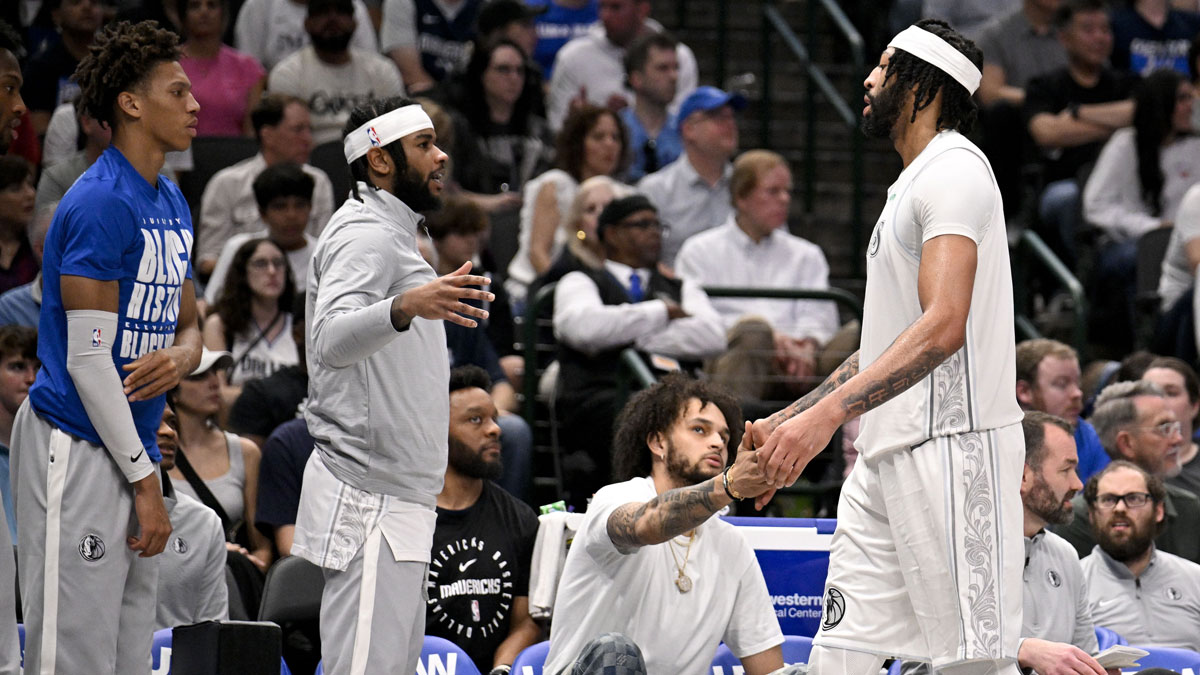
{"x": 90, "y": 363}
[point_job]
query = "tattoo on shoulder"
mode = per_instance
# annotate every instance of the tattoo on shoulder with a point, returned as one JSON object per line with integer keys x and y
{"x": 837, "y": 378}
{"x": 668, "y": 515}
{"x": 878, "y": 392}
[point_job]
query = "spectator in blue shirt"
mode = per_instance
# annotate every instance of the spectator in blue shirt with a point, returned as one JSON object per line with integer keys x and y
{"x": 1048, "y": 380}
{"x": 563, "y": 21}
{"x": 652, "y": 70}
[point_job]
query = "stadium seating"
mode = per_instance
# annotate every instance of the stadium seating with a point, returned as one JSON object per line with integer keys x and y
{"x": 796, "y": 649}
{"x": 1183, "y": 661}
{"x": 531, "y": 660}
{"x": 439, "y": 657}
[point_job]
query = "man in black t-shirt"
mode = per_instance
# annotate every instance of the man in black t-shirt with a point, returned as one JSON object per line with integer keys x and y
{"x": 1072, "y": 111}
{"x": 48, "y": 73}
{"x": 479, "y": 572}
{"x": 280, "y": 476}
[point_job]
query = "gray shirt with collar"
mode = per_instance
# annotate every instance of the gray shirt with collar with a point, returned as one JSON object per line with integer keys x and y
{"x": 686, "y": 202}
{"x": 377, "y": 404}
{"x": 191, "y": 571}
{"x": 1160, "y": 608}
{"x": 1055, "y": 595}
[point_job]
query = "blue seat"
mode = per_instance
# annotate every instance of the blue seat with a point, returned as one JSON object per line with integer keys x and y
{"x": 531, "y": 660}
{"x": 1179, "y": 660}
{"x": 1106, "y": 637}
{"x": 441, "y": 656}
{"x": 796, "y": 649}
{"x": 160, "y": 653}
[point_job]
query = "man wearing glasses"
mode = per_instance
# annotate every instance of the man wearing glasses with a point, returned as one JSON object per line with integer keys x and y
{"x": 1149, "y": 596}
{"x": 598, "y": 313}
{"x": 1136, "y": 424}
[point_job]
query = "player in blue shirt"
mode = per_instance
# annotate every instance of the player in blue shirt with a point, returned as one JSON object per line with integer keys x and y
{"x": 118, "y": 328}
{"x": 12, "y": 107}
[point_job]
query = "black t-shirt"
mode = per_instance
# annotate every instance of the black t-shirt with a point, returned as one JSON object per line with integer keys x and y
{"x": 480, "y": 564}
{"x": 1141, "y": 48}
{"x": 1054, "y": 92}
{"x": 48, "y": 79}
{"x": 281, "y": 474}
{"x": 267, "y": 403}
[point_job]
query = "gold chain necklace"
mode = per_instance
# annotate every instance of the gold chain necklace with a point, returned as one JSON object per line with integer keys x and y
{"x": 683, "y": 582}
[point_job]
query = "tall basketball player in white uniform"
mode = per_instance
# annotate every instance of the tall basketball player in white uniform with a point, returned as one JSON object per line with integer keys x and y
{"x": 926, "y": 560}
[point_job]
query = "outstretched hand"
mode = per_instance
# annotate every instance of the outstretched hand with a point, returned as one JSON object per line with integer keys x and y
{"x": 443, "y": 298}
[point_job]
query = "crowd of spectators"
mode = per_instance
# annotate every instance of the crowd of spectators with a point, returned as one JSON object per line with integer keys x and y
{"x": 588, "y": 152}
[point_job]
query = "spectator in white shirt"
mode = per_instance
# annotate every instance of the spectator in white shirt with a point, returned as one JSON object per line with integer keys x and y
{"x": 228, "y": 207}
{"x": 590, "y": 69}
{"x": 270, "y": 30}
{"x": 599, "y": 313}
{"x": 1137, "y": 185}
{"x": 284, "y": 196}
{"x": 329, "y": 74}
{"x": 753, "y": 248}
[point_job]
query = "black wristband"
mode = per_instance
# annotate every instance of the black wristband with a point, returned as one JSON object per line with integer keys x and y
{"x": 725, "y": 484}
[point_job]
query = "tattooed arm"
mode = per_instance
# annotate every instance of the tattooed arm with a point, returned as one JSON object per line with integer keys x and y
{"x": 674, "y": 512}
{"x": 945, "y": 281}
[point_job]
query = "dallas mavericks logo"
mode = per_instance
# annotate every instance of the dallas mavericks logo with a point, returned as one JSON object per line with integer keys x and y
{"x": 1174, "y": 594}
{"x": 835, "y": 609}
{"x": 1053, "y": 578}
{"x": 96, "y": 341}
{"x": 373, "y": 137}
{"x": 179, "y": 545}
{"x": 91, "y": 548}
{"x": 873, "y": 247}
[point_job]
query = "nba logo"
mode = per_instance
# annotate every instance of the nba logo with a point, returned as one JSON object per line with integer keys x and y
{"x": 373, "y": 137}
{"x": 475, "y": 610}
{"x": 96, "y": 337}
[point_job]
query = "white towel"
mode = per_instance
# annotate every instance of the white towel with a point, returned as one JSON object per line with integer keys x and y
{"x": 555, "y": 532}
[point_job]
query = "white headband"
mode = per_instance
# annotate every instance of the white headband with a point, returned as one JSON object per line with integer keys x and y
{"x": 938, "y": 53}
{"x": 384, "y": 129}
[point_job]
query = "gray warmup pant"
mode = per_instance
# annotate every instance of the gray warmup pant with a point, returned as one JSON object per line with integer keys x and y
{"x": 10, "y": 647}
{"x": 88, "y": 599}
{"x": 373, "y": 613}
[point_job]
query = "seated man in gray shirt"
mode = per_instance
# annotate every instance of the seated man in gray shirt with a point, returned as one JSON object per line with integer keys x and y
{"x": 191, "y": 574}
{"x": 1150, "y": 597}
{"x": 1135, "y": 423}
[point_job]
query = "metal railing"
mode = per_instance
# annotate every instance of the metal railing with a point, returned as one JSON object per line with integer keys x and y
{"x": 1029, "y": 251}
{"x": 773, "y": 22}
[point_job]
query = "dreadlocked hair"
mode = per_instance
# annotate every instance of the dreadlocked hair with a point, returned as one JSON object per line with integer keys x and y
{"x": 958, "y": 108}
{"x": 11, "y": 40}
{"x": 119, "y": 59}
{"x": 1154, "y": 109}
{"x": 360, "y": 115}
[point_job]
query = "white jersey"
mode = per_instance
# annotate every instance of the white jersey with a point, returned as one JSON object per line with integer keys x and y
{"x": 948, "y": 189}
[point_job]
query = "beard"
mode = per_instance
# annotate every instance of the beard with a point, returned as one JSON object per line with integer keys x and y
{"x": 684, "y": 472}
{"x": 410, "y": 188}
{"x": 1132, "y": 545}
{"x": 1048, "y": 506}
{"x": 470, "y": 462}
{"x": 338, "y": 42}
{"x": 885, "y": 112}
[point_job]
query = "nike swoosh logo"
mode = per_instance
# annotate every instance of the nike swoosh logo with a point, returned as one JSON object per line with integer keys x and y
{"x": 135, "y": 458}
{"x": 462, "y": 567}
